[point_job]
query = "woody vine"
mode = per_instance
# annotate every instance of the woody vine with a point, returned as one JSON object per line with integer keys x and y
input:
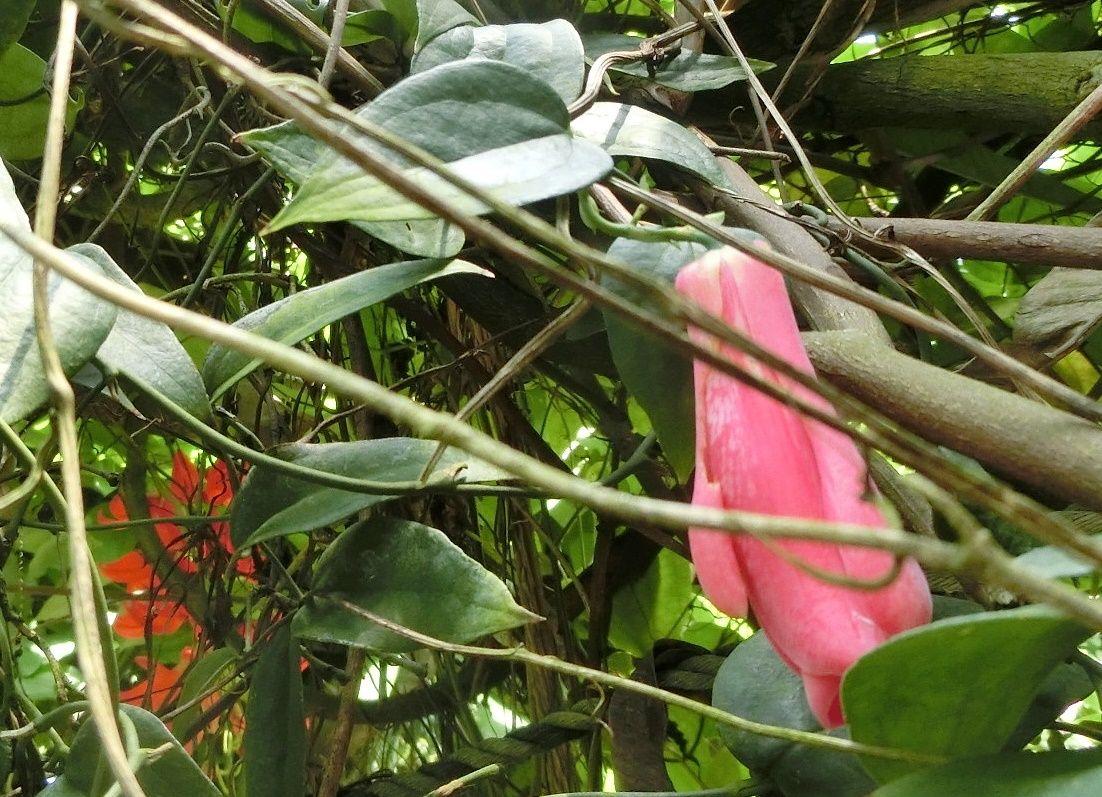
{"x": 417, "y": 396}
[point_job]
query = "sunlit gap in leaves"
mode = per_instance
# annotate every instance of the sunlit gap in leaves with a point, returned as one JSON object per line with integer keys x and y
{"x": 584, "y": 433}
{"x": 1056, "y": 161}
{"x": 1086, "y": 712}
{"x": 188, "y": 229}
{"x": 738, "y": 626}
{"x": 864, "y": 45}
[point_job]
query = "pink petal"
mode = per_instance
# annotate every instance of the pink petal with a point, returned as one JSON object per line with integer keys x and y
{"x": 757, "y": 454}
{"x": 715, "y": 558}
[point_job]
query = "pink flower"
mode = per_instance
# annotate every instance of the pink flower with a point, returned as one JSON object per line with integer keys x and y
{"x": 756, "y": 454}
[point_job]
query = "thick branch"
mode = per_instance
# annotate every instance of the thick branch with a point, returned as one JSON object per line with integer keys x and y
{"x": 1021, "y": 439}
{"x": 748, "y": 206}
{"x": 988, "y": 93}
{"x": 775, "y": 30}
{"x": 895, "y": 14}
{"x": 1025, "y": 244}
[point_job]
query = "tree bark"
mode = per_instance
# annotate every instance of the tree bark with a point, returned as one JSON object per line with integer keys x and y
{"x": 988, "y": 93}
{"x": 1024, "y": 244}
{"x": 1019, "y": 438}
{"x": 748, "y": 206}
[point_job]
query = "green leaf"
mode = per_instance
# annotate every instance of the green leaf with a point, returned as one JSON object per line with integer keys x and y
{"x": 25, "y": 104}
{"x": 930, "y": 689}
{"x": 435, "y": 17}
{"x": 171, "y": 773}
{"x": 659, "y": 378}
{"x": 1068, "y": 683}
{"x": 1060, "y": 311}
{"x": 14, "y": 21}
{"x": 517, "y": 174}
{"x": 256, "y": 24}
{"x": 474, "y": 115}
{"x": 80, "y": 321}
{"x": 631, "y": 131}
{"x": 208, "y": 671}
{"x": 293, "y": 154}
{"x": 409, "y": 574}
{"x": 270, "y": 504}
{"x": 362, "y": 27}
{"x": 145, "y": 351}
{"x": 755, "y": 684}
{"x": 300, "y": 315}
{"x": 650, "y": 608}
{"x": 1068, "y": 773}
{"x": 688, "y": 71}
{"x": 1051, "y": 561}
{"x": 958, "y": 153}
{"x": 275, "y": 725}
{"x": 551, "y": 51}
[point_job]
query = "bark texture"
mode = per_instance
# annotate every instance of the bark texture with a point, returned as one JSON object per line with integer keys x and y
{"x": 1025, "y": 244}
{"x": 1022, "y": 439}
{"x": 986, "y": 93}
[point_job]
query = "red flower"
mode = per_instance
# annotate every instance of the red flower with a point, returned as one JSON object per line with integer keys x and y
{"x": 756, "y": 454}
{"x": 162, "y": 683}
{"x": 191, "y": 491}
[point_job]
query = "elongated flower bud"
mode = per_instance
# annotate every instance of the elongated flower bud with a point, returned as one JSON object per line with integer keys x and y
{"x": 756, "y": 454}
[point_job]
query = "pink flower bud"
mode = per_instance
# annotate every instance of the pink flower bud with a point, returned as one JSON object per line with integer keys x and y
{"x": 756, "y": 454}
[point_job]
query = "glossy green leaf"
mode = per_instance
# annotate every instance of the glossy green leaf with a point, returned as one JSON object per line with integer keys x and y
{"x": 687, "y": 71}
{"x": 551, "y": 51}
{"x": 275, "y": 725}
{"x": 80, "y": 321}
{"x": 145, "y": 351}
{"x": 435, "y": 17}
{"x": 755, "y": 684}
{"x": 270, "y": 504}
{"x": 1069, "y": 773}
{"x": 806, "y": 771}
{"x": 496, "y": 125}
{"x": 255, "y": 23}
{"x": 650, "y": 608}
{"x": 945, "y": 680}
{"x": 409, "y": 574}
{"x": 1052, "y": 561}
{"x": 362, "y": 27}
{"x": 659, "y": 378}
{"x": 293, "y": 154}
{"x": 1066, "y": 684}
{"x": 25, "y": 104}
{"x": 171, "y": 773}
{"x": 631, "y": 131}
{"x": 300, "y": 315}
{"x": 517, "y": 174}
{"x": 13, "y": 22}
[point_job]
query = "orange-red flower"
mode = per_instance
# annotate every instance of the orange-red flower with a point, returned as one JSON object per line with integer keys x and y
{"x": 163, "y": 681}
{"x": 190, "y": 491}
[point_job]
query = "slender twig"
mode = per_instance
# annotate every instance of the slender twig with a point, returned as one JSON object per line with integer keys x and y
{"x": 1083, "y": 113}
{"x": 336, "y": 35}
{"x": 102, "y": 695}
{"x": 627, "y": 685}
{"x": 981, "y": 557}
{"x": 301, "y": 101}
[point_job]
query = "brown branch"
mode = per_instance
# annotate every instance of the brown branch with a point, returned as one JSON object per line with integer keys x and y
{"x": 1025, "y": 244}
{"x": 1021, "y": 439}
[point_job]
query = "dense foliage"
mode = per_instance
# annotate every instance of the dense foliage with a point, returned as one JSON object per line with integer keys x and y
{"x": 373, "y": 475}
